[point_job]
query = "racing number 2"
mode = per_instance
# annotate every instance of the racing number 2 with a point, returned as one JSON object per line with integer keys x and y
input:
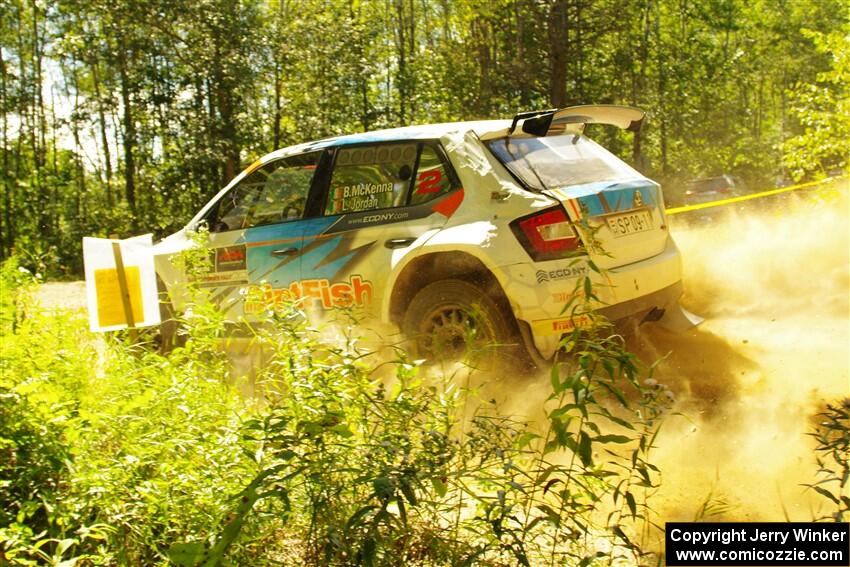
{"x": 428, "y": 182}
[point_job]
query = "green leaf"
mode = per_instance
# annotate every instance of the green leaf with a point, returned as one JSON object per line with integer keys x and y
{"x": 186, "y": 554}
{"x": 408, "y": 492}
{"x": 585, "y": 449}
{"x": 383, "y": 487}
{"x": 525, "y": 438}
{"x": 612, "y": 439}
{"x": 369, "y": 551}
{"x": 550, "y": 484}
{"x": 555, "y": 378}
{"x": 622, "y": 535}
{"x": 630, "y": 500}
{"x": 826, "y": 493}
{"x": 354, "y": 520}
{"x": 439, "y": 486}
{"x": 619, "y": 421}
{"x": 63, "y": 545}
{"x": 342, "y": 430}
{"x": 551, "y": 515}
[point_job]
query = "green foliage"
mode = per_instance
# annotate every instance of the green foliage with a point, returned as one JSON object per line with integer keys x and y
{"x": 823, "y": 110}
{"x": 113, "y": 454}
{"x": 16, "y": 283}
{"x": 363, "y": 470}
{"x": 833, "y": 458}
{"x": 116, "y": 455}
{"x": 122, "y": 117}
{"x": 110, "y": 452}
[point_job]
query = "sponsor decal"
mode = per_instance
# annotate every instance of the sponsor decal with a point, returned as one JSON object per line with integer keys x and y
{"x": 638, "y": 200}
{"x": 563, "y": 296}
{"x": 566, "y": 325}
{"x": 311, "y": 293}
{"x": 215, "y": 280}
{"x": 381, "y": 217}
{"x": 560, "y": 326}
{"x": 364, "y": 189}
{"x": 230, "y": 258}
{"x": 360, "y": 197}
{"x": 561, "y": 274}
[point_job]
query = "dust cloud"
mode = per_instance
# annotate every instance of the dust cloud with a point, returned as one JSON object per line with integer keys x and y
{"x": 772, "y": 282}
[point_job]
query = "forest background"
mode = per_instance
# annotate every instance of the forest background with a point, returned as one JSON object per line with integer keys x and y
{"x": 125, "y": 116}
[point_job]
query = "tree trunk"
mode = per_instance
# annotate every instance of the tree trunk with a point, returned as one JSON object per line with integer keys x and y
{"x": 277, "y": 108}
{"x": 7, "y": 231}
{"x": 558, "y": 40}
{"x": 101, "y": 115}
{"x": 401, "y": 50}
{"x": 36, "y": 124}
{"x": 129, "y": 138}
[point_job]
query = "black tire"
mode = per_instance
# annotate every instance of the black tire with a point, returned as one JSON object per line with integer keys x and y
{"x": 452, "y": 319}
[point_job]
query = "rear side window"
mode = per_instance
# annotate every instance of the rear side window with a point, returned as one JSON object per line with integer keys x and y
{"x": 432, "y": 177}
{"x": 274, "y": 193}
{"x": 365, "y": 178}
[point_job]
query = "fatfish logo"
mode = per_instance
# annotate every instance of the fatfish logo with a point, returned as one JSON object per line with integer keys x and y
{"x": 310, "y": 293}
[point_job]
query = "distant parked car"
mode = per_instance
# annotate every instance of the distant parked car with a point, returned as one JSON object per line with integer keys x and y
{"x": 709, "y": 190}
{"x": 444, "y": 230}
{"x": 714, "y": 189}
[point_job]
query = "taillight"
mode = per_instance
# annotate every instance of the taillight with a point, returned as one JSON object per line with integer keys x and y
{"x": 547, "y": 235}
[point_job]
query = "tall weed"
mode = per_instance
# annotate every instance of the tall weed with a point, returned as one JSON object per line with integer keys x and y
{"x": 832, "y": 455}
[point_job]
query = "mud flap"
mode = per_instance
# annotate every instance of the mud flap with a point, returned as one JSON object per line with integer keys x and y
{"x": 678, "y": 319}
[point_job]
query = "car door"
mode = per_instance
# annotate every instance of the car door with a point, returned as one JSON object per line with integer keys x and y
{"x": 256, "y": 235}
{"x": 379, "y": 199}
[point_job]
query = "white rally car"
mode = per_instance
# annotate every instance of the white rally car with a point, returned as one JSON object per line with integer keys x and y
{"x": 444, "y": 230}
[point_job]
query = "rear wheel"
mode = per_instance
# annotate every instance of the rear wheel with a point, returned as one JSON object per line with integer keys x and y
{"x": 452, "y": 319}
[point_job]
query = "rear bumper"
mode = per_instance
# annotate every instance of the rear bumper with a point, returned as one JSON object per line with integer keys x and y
{"x": 641, "y": 306}
{"x": 633, "y": 290}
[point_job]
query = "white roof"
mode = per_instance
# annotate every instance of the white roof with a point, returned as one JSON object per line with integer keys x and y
{"x": 416, "y": 132}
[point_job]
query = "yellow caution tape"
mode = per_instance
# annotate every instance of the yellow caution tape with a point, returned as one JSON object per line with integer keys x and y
{"x": 677, "y": 210}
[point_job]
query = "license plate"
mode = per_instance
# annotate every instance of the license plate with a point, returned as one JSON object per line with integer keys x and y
{"x": 629, "y": 223}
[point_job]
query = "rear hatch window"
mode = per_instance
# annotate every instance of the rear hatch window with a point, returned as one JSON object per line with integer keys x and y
{"x": 555, "y": 162}
{"x": 624, "y": 206}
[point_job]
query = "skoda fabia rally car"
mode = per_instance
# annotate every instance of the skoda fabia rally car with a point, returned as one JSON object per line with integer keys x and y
{"x": 444, "y": 231}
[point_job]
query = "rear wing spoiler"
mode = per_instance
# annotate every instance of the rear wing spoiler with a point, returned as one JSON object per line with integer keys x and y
{"x": 557, "y": 121}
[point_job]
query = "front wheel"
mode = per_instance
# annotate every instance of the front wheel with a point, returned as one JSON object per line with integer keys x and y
{"x": 453, "y": 319}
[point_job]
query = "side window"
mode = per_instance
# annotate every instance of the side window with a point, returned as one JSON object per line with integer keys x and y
{"x": 276, "y": 192}
{"x": 370, "y": 177}
{"x": 432, "y": 177}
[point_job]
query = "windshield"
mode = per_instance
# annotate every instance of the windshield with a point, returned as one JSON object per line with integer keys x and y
{"x": 560, "y": 161}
